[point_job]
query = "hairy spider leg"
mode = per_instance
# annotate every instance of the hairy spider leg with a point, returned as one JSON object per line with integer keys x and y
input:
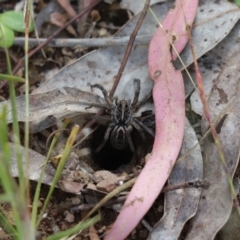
{"x": 142, "y": 102}
{"x": 136, "y": 126}
{"x": 104, "y": 91}
{"x": 106, "y": 136}
{"x": 144, "y": 127}
{"x": 125, "y": 107}
{"x": 137, "y": 88}
{"x": 128, "y": 135}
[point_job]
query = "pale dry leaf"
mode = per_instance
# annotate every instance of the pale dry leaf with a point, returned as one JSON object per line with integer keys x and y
{"x": 225, "y": 88}
{"x": 180, "y": 205}
{"x": 47, "y": 107}
{"x": 44, "y": 15}
{"x": 212, "y": 63}
{"x": 209, "y": 66}
{"x": 101, "y": 66}
{"x": 231, "y": 229}
{"x": 215, "y": 19}
{"x": 60, "y": 19}
{"x": 216, "y": 202}
{"x": 33, "y": 170}
{"x": 136, "y": 6}
{"x": 68, "y": 7}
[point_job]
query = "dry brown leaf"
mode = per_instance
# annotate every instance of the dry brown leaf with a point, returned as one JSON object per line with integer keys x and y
{"x": 68, "y": 7}
{"x": 93, "y": 233}
{"x": 60, "y": 20}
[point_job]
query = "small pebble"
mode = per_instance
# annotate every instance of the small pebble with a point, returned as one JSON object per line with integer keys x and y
{"x": 69, "y": 217}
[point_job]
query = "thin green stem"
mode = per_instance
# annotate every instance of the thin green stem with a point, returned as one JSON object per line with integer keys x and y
{"x": 60, "y": 167}
{"x": 38, "y": 188}
{"x": 11, "y": 78}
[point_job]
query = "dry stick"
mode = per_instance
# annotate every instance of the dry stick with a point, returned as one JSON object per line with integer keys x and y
{"x": 84, "y": 42}
{"x": 87, "y": 206}
{"x": 196, "y": 183}
{"x": 129, "y": 47}
{"x": 20, "y": 63}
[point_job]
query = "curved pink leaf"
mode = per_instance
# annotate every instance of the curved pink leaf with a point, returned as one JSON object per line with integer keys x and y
{"x": 169, "y": 101}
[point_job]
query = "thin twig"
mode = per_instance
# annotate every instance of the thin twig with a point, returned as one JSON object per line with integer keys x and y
{"x": 197, "y": 183}
{"x": 146, "y": 225}
{"x": 87, "y": 206}
{"x": 84, "y": 42}
{"x": 85, "y": 137}
{"x": 20, "y": 63}
{"x": 129, "y": 47}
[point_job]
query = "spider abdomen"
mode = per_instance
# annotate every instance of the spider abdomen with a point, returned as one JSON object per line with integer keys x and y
{"x": 118, "y": 138}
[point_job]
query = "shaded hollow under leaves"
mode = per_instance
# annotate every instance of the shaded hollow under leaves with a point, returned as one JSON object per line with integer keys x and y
{"x": 110, "y": 158}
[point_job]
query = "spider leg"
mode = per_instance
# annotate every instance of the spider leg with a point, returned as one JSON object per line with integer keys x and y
{"x": 135, "y": 125}
{"x": 148, "y": 130}
{"x": 136, "y": 92}
{"x": 105, "y": 138}
{"x": 128, "y": 135}
{"x": 104, "y": 91}
{"x": 142, "y": 102}
{"x": 138, "y": 127}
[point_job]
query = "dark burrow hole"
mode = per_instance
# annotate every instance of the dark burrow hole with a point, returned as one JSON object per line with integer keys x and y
{"x": 109, "y": 158}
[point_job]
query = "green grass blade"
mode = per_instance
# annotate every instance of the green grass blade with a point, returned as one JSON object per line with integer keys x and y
{"x": 7, "y": 182}
{"x": 11, "y": 78}
{"x": 15, "y": 125}
{"x": 38, "y": 188}
{"x": 6, "y": 225}
{"x": 79, "y": 227}
{"x": 61, "y": 164}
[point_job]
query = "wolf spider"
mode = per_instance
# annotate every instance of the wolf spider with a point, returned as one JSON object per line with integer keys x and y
{"x": 122, "y": 122}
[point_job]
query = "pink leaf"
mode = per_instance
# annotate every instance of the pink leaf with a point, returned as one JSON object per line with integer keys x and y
{"x": 169, "y": 100}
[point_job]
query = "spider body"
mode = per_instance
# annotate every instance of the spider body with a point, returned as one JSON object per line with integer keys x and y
{"x": 121, "y": 119}
{"x": 122, "y": 122}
